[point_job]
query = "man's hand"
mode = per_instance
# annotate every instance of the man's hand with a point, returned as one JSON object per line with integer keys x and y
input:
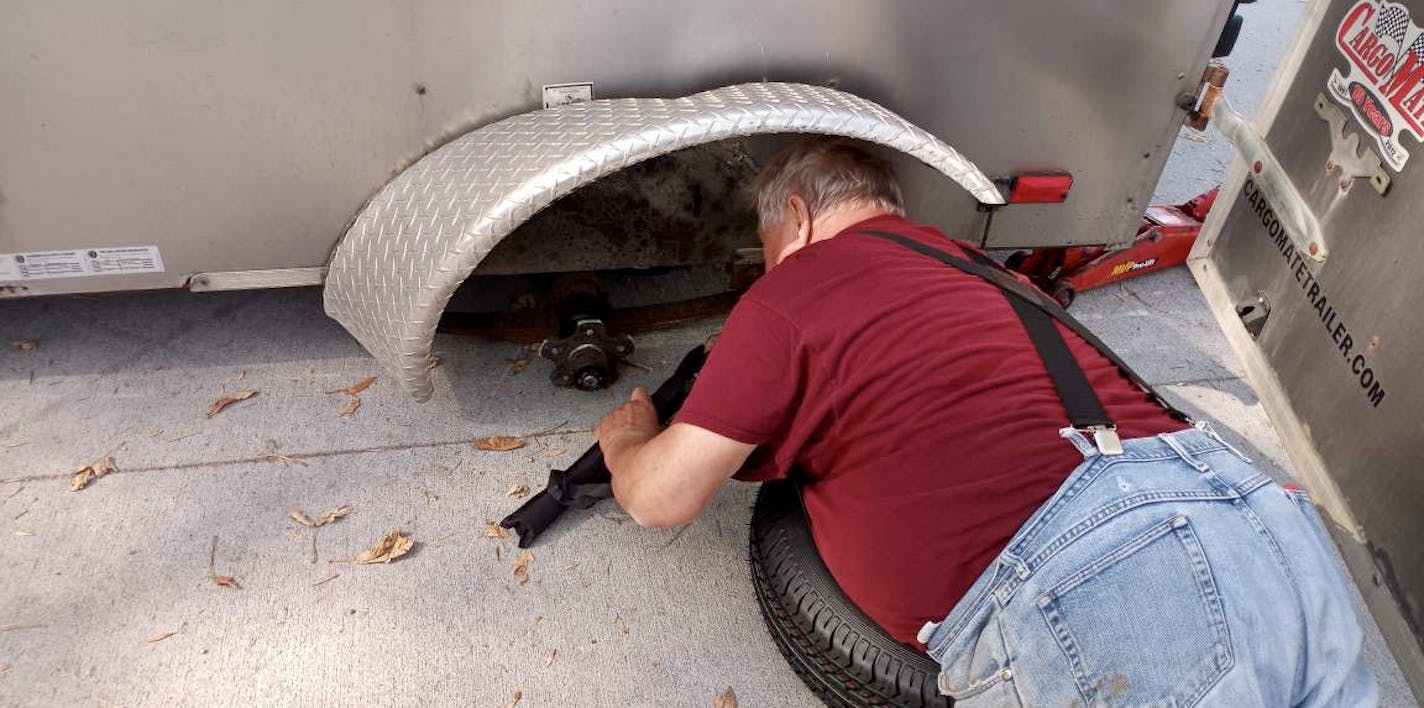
{"x": 664, "y": 479}
{"x": 630, "y": 424}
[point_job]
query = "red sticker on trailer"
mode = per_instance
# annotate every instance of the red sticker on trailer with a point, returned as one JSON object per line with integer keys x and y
{"x": 1369, "y": 106}
{"x": 1383, "y": 84}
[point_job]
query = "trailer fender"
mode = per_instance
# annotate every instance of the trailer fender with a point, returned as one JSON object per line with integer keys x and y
{"x": 412, "y": 245}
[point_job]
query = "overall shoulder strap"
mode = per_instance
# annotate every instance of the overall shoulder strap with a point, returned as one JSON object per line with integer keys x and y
{"x": 1038, "y": 312}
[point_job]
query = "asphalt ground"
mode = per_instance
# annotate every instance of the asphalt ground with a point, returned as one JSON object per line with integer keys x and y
{"x": 108, "y": 595}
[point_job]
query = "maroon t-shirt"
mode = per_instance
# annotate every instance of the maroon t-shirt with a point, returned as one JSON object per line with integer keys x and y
{"x": 910, "y": 398}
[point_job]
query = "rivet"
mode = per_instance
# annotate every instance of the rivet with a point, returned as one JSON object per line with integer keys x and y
{"x": 1256, "y": 167}
{"x": 1007, "y": 674}
{"x": 1313, "y": 248}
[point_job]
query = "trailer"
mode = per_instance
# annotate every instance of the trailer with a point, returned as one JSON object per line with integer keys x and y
{"x": 172, "y": 145}
{"x": 1313, "y": 284}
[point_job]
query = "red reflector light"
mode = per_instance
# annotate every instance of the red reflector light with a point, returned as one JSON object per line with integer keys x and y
{"x": 1040, "y": 188}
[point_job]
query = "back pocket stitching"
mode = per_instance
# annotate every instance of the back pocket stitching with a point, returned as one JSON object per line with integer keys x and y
{"x": 1180, "y": 526}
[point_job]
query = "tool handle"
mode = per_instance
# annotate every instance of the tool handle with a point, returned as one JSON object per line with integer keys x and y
{"x": 587, "y": 481}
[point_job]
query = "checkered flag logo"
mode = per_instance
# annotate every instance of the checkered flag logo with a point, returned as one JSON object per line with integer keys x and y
{"x": 1393, "y": 23}
{"x": 1417, "y": 47}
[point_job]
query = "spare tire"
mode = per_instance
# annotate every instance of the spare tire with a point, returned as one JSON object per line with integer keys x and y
{"x": 834, "y": 647}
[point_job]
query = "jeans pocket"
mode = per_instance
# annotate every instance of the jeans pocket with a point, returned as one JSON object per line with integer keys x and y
{"x": 1143, "y": 624}
{"x": 981, "y": 675}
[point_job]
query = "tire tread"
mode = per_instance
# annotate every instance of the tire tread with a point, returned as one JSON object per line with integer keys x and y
{"x": 838, "y": 652}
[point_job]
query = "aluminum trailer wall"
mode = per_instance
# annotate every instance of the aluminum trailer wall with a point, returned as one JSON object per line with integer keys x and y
{"x": 245, "y": 136}
{"x": 1332, "y": 343}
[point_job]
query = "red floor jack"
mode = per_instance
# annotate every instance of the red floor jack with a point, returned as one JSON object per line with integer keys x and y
{"x": 1163, "y": 240}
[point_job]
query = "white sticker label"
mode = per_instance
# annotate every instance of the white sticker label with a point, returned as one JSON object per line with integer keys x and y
{"x": 1384, "y": 50}
{"x": 83, "y": 262}
{"x": 564, "y": 94}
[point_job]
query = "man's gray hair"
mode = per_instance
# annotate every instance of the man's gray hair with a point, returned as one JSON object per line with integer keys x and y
{"x": 827, "y": 173}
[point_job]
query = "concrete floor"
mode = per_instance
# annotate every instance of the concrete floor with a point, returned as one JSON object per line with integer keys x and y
{"x": 105, "y": 595}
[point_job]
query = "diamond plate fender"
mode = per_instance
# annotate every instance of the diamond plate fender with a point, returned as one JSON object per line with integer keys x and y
{"x": 424, "y": 232}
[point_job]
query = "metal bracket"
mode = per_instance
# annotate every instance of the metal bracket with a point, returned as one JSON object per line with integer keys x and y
{"x": 1292, "y": 210}
{"x": 253, "y": 279}
{"x": 1254, "y": 312}
{"x": 1345, "y": 152}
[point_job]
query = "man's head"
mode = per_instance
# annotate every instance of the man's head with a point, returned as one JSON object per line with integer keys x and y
{"x": 812, "y": 190}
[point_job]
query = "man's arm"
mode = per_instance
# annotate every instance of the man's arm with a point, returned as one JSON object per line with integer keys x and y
{"x": 664, "y": 478}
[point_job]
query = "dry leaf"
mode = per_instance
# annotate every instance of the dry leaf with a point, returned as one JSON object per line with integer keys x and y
{"x": 228, "y": 400}
{"x": 226, "y": 581}
{"x": 620, "y": 624}
{"x": 356, "y": 388}
{"x": 25, "y": 345}
{"x": 331, "y": 515}
{"x": 726, "y": 699}
{"x": 499, "y": 444}
{"x": 349, "y": 409}
{"x": 549, "y": 656}
{"x": 521, "y": 567}
{"x": 518, "y": 490}
{"x": 516, "y": 366}
{"x": 393, "y": 546}
{"x": 325, "y": 517}
{"x": 493, "y": 530}
{"x": 160, "y": 637}
{"x": 511, "y": 703}
{"x": 88, "y": 473}
{"x": 431, "y": 362}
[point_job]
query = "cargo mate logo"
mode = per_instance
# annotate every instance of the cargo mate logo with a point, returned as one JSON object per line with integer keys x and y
{"x": 1384, "y": 84}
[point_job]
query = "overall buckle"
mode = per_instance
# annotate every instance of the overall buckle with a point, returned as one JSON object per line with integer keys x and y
{"x": 1105, "y": 439}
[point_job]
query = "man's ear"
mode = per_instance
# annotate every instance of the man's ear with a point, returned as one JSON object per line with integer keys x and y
{"x": 801, "y": 213}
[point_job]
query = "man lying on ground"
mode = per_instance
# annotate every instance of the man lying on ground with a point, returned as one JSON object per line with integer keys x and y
{"x": 1134, "y": 559}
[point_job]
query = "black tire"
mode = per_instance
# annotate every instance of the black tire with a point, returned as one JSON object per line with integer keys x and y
{"x": 839, "y": 653}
